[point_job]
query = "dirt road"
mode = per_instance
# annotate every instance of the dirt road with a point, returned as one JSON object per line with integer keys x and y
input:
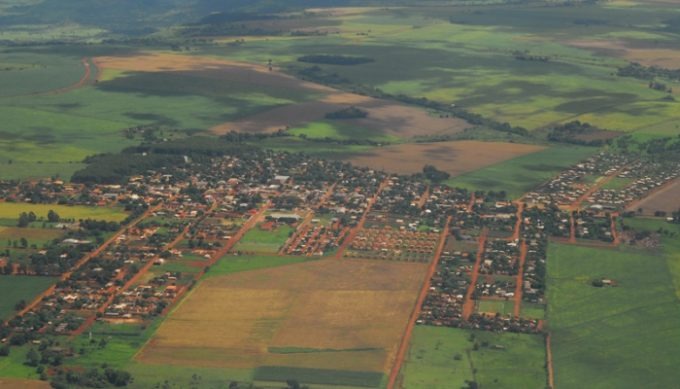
{"x": 469, "y": 304}
{"x": 406, "y": 339}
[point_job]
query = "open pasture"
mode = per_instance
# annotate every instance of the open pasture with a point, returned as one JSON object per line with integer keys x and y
{"x": 320, "y": 315}
{"x": 454, "y": 158}
{"x": 444, "y": 358}
{"x": 631, "y": 331}
{"x": 12, "y": 211}
{"x": 14, "y": 289}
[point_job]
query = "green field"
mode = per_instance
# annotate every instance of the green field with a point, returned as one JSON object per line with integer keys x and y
{"x": 234, "y": 264}
{"x": 261, "y": 241}
{"x": 493, "y": 306}
{"x": 520, "y": 175}
{"x": 14, "y": 289}
{"x": 11, "y": 211}
{"x": 614, "y": 337}
{"x": 446, "y": 358}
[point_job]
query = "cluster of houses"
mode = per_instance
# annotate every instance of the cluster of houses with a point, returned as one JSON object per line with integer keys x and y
{"x": 184, "y": 218}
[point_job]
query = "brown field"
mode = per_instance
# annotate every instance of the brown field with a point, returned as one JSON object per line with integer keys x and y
{"x": 346, "y": 315}
{"x": 663, "y": 57}
{"x": 384, "y": 117}
{"x": 31, "y": 234}
{"x": 666, "y": 199}
{"x": 455, "y": 157}
{"x": 16, "y": 383}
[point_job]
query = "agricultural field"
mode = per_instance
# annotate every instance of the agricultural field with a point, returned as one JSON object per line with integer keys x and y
{"x": 15, "y": 289}
{"x": 454, "y": 158}
{"x": 610, "y": 328}
{"x": 450, "y": 357}
{"x": 34, "y": 236}
{"x": 519, "y": 175}
{"x": 9, "y": 212}
{"x": 666, "y": 199}
{"x": 346, "y": 328}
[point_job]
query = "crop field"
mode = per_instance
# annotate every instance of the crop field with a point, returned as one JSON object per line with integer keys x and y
{"x": 454, "y": 158}
{"x": 444, "y": 358}
{"x": 345, "y": 316}
{"x": 12, "y": 211}
{"x": 667, "y": 199}
{"x": 519, "y": 175}
{"x": 27, "y": 384}
{"x": 467, "y": 55}
{"x": 385, "y": 120}
{"x": 14, "y": 289}
{"x": 610, "y": 328}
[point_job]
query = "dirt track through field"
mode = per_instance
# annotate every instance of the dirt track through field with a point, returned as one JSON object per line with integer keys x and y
{"x": 549, "y": 362}
{"x": 406, "y": 339}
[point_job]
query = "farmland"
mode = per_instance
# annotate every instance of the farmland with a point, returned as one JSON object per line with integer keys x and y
{"x": 448, "y": 357}
{"x": 15, "y": 289}
{"x": 11, "y": 211}
{"x": 454, "y": 158}
{"x": 521, "y": 174}
{"x": 350, "y": 320}
{"x": 607, "y": 329}
{"x": 666, "y": 200}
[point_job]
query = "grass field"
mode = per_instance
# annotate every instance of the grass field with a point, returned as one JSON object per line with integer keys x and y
{"x": 519, "y": 175}
{"x": 14, "y": 289}
{"x": 261, "y": 241}
{"x": 12, "y": 211}
{"x": 625, "y": 336}
{"x": 329, "y": 315}
{"x": 446, "y": 358}
{"x": 34, "y": 236}
{"x": 493, "y": 306}
{"x": 235, "y": 264}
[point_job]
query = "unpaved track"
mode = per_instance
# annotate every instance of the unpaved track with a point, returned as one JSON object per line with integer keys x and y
{"x": 469, "y": 304}
{"x": 406, "y": 339}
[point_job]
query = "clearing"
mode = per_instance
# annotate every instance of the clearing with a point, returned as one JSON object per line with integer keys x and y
{"x": 666, "y": 199}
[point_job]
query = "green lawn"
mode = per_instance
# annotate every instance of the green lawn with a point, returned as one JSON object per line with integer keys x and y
{"x": 261, "y": 241}
{"x": 14, "y": 289}
{"x": 520, "y": 175}
{"x": 235, "y": 264}
{"x": 445, "y": 358}
{"x": 626, "y": 336}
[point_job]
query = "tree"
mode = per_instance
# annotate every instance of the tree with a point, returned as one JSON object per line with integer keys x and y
{"x": 434, "y": 175}
{"x": 32, "y": 358}
{"x": 53, "y": 217}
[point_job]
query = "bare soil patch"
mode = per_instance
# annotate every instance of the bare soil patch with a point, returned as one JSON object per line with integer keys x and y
{"x": 455, "y": 158}
{"x": 328, "y": 314}
{"x": 666, "y": 199}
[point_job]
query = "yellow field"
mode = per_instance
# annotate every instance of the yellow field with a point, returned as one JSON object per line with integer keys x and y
{"x": 329, "y": 314}
{"x": 12, "y": 211}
